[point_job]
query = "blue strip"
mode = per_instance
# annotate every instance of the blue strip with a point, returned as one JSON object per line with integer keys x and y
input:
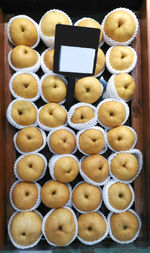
{"x": 103, "y": 82}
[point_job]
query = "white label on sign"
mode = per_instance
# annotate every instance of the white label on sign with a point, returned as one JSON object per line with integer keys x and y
{"x": 76, "y": 59}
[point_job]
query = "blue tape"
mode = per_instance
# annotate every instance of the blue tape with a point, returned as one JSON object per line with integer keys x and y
{"x": 103, "y": 82}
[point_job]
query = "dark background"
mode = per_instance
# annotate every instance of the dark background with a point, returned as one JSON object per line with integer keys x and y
{"x": 11, "y": 6}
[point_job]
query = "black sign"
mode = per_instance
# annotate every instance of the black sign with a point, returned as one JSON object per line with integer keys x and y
{"x": 75, "y": 50}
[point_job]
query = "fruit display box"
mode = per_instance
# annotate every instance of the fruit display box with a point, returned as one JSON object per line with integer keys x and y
{"x": 139, "y": 111}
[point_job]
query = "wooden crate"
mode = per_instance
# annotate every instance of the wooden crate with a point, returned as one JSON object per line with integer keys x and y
{"x": 139, "y": 120}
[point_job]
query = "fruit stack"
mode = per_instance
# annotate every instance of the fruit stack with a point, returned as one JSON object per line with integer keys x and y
{"x": 89, "y": 151}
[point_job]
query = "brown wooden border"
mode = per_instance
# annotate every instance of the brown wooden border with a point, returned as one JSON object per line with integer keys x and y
{"x": 145, "y": 66}
{"x": 137, "y": 124}
{"x": 2, "y": 138}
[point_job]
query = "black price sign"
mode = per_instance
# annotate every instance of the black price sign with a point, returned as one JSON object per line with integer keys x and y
{"x": 75, "y": 52}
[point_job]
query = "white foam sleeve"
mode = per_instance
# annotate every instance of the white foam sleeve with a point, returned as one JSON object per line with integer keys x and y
{"x": 33, "y": 68}
{"x": 53, "y": 161}
{"x": 112, "y": 42}
{"x": 126, "y": 107}
{"x": 37, "y": 203}
{"x": 75, "y": 222}
{"x": 9, "y": 114}
{"x": 41, "y": 83}
{"x": 94, "y": 210}
{"x": 49, "y": 40}
{"x": 37, "y": 150}
{"x": 32, "y": 21}
{"x": 36, "y": 97}
{"x": 128, "y": 241}
{"x": 11, "y": 237}
{"x": 132, "y": 147}
{"x": 106, "y": 197}
{"x": 79, "y": 126}
{"x": 88, "y": 128}
{"x": 47, "y": 128}
{"x": 89, "y": 243}
{"x": 89, "y": 180}
{"x": 60, "y": 128}
{"x": 21, "y": 157}
{"x": 137, "y": 153}
{"x": 117, "y": 71}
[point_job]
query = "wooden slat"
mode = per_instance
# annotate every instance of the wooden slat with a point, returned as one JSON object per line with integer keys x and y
{"x": 3, "y": 202}
{"x": 145, "y": 66}
{"x": 137, "y": 124}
